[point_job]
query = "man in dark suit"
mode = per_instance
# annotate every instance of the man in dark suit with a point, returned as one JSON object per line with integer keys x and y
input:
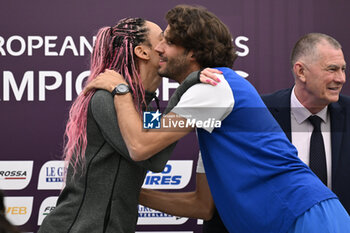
{"x": 318, "y": 67}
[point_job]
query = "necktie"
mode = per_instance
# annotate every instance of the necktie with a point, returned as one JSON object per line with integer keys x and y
{"x": 317, "y": 152}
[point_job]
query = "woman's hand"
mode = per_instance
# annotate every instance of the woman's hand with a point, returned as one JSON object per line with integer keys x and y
{"x": 208, "y": 75}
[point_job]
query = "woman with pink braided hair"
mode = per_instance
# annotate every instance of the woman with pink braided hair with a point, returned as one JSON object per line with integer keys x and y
{"x": 103, "y": 182}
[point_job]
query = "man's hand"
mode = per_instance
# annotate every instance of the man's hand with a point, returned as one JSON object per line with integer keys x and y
{"x": 208, "y": 75}
{"x": 107, "y": 80}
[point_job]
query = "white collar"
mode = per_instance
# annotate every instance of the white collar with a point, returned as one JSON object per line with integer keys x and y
{"x": 301, "y": 113}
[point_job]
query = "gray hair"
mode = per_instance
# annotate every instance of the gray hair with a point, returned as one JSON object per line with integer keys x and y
{"x": 306, "y": 46}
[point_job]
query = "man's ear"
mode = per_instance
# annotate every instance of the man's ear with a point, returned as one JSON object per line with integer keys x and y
{"x": 142, "y": 52}
{"x": 191, "y": 55}
{"x": 299, "y": 71}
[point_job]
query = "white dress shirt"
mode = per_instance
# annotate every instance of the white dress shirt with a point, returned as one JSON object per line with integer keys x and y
{"x": 302, "y": 130}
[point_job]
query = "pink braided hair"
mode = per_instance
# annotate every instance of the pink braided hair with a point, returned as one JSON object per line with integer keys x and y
{"x": 114, "y": 49}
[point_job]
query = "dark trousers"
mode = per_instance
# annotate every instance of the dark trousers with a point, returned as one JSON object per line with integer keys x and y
{"x": 214, "y": 225}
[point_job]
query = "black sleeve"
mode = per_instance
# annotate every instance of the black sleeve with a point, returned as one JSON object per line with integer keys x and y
{"x": 191, "y": 79}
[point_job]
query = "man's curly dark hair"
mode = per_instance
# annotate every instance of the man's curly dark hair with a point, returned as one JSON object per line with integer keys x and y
{"x": 199, "y": 30}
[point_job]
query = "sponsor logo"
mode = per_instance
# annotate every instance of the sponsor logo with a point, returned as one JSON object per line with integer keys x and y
{"x": 176, "y": 175}
{"x": 148, "y": 216}
{"x": 46, "y": 207}
{"x": 52, "y": 175}
{"x": 15, "y": 175}
{"x": 151, "y": 120}
{"x": 18, "y": 209}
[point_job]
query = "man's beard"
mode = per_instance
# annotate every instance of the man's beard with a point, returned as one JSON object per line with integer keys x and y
{"x": 175, "y": 68}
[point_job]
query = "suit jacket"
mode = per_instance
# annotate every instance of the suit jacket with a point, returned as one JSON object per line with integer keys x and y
{"x": 279, "y": 106}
